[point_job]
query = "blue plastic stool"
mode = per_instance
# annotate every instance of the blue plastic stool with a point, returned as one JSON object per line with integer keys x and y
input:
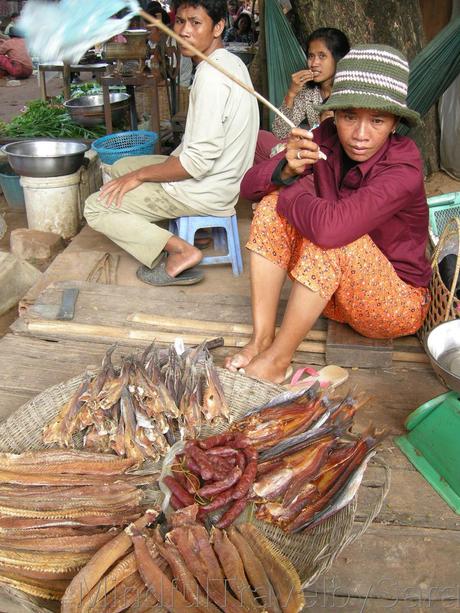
{"x": 224, "y": 234}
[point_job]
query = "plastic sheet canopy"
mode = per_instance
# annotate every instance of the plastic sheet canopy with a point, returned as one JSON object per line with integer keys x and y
{"x": 65, "y": 30}
{"x": 284, "y": 53}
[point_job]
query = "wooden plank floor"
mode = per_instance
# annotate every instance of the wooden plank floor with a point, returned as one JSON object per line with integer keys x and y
{"x": 409, "y": 558}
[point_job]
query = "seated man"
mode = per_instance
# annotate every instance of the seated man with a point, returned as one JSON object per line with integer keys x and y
{"x": 201, "y": 177}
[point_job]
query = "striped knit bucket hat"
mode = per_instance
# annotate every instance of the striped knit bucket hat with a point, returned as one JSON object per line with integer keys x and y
{"x": 372, "y": 77}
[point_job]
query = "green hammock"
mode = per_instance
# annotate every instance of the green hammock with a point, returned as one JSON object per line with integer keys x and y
{"x": 433, "y": 70}
{"x": 284, "y": 53}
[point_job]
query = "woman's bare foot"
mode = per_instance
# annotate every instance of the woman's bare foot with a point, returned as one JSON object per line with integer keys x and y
{"x": 266, "y": 368}
{"x": 181, "y": 256}
{"x": 246, "y": 354}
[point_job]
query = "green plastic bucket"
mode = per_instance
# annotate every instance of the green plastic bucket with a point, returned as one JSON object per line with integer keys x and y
{"x": 12, "y": 189}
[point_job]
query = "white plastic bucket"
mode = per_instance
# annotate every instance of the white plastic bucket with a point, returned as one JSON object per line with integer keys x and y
{"x": 52, "y": 203}
{"x": 106, "y": 173}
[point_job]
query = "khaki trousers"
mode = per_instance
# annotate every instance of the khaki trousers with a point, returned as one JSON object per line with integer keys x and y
{"x": 131, "y": 225}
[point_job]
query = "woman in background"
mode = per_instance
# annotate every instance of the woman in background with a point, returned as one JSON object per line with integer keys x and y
{"x": 309, "y": 87}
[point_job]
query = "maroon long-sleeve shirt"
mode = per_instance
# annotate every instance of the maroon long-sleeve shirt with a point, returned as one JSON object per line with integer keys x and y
{"x": 383, "y": 197}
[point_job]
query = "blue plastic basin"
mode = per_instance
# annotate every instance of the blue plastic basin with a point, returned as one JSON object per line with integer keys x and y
{"x": 12, "y": 190}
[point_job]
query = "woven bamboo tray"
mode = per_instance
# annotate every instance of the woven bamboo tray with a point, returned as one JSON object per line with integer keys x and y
{"x": 311, "y": 552}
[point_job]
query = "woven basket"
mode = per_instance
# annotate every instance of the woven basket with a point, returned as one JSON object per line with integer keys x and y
{"x": 311, "y": 552}
{"x": 444, "y": 305}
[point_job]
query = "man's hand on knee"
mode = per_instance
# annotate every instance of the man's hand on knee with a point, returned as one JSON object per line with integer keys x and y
{"x": 114, "y": 190}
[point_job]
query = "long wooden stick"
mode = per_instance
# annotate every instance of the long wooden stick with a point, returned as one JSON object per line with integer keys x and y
{"x": 184, "y": 43}
{"x": 69, "y": 329}
{"x": 182, "y": 323}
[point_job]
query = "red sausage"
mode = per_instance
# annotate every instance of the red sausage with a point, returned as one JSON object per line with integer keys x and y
{"x": 178, "y": 491}
{"x": 220, "y": 486}
{"x": 193, "y": 466}
{"x": 175, "y": 503}
{"x": 233, "y": 512}
{"x": 240, "y": 441}
{"x": 241, "y": 460}
{"x": 222, "y": 451}
{"x": 216, "y": 440}
{"x": 219, "y": 501}
{"x": 250, "y": 453}
{"x": 242, "y": 487}
{"x": 202, "y": 461}
{"x": 179, "y": 475}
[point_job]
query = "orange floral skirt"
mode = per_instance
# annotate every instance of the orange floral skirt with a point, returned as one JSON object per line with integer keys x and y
{"x": 361, "y": 285}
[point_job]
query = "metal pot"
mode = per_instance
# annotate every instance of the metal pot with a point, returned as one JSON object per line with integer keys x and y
{"x": 88, "y": 111}
{"x": 443, "y": 348}
{"x": 45, "y": 158}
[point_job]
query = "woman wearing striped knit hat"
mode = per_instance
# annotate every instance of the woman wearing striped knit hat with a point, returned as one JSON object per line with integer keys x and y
{"x": 354, "y": 245}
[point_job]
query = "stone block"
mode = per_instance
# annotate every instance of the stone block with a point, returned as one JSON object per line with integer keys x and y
{"x": 35, "y": 244}
{"x": 16, "y": 278}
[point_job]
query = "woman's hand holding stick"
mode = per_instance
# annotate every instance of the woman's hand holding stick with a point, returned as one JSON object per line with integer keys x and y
{"x": 301, "y": 152}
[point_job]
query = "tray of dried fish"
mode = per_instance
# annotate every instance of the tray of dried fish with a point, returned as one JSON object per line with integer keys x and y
{"x": 300, "y": 439}
{"x": 181, "y": 567}
{"x": 143, "y": 407}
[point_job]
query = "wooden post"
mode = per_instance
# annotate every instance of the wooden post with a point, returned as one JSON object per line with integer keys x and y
{"x": 107, "y": 109}
{"x": 66, "y": 81}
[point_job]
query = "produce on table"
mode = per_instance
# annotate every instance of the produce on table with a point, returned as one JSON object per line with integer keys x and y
{"x": 47, "y": 119}
{"x": 186, "y": 570}
{"x": 57, "y": 509}
{"x": 217, "y": 473}
{"x": 307, "y": 468}
{"x": 140, "y": 409}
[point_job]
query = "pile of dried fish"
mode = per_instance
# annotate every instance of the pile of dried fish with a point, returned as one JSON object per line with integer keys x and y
{"x": 187, "y": 570}
{"x": 217, "y": 473}
{"x": 309, "y": 465}
{"x": 141, "y": 409}
{"x": 57, "y": 508}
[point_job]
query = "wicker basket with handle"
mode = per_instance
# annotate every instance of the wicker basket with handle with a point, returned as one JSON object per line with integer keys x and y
{"x": 444, "y": 304}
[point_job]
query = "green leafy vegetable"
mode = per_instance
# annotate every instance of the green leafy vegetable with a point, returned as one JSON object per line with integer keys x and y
{"x": 47, "y": 119}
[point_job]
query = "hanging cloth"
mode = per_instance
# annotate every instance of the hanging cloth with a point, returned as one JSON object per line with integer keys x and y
{"x": 284, "y": 53}
{"x": 433, "y": 70}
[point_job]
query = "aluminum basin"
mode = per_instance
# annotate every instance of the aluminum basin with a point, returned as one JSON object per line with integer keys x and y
{"x": 88, "y": 111}
{"x": 45, "y": 158}
{"x": 443, "y": 348}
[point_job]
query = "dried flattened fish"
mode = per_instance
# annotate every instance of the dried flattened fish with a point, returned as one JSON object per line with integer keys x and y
{"x": 255, "y": 571}
{"x": 64, "y": 461}
{"x": 233, "y": 568}
{"x": 214, "y": 403}
{"x": 123, "y": 569}
{"x": 99, "y": 564}
{"x": 60, "y": 430}
{"x": 282, "y": 574}
{"x": 155, "y": 579}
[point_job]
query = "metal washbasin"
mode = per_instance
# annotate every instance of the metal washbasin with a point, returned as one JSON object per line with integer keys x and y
{"x": 88, "y": 111}
{"x": 45, "y": 157}
{"x": 443, "y": 348}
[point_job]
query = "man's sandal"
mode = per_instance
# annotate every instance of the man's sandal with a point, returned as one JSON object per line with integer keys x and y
{"x": 159, "y": 277}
